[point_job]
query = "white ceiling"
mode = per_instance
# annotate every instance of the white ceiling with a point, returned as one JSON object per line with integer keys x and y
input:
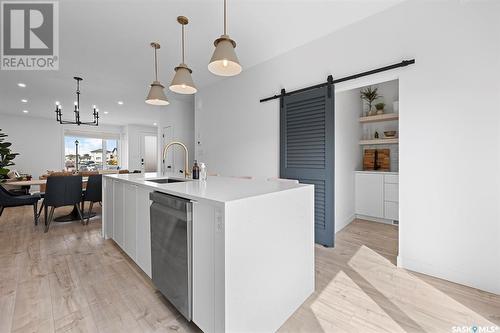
{"x": 107, "y": 43}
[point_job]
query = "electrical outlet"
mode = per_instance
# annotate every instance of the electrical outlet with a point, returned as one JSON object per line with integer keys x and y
{"x": 219, "y": 222}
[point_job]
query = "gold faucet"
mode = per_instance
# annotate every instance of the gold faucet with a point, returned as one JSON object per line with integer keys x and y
{"x": 186, "y": 154}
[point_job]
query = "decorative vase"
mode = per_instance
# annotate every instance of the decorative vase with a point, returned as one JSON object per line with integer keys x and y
{"x": 365, "y": 111}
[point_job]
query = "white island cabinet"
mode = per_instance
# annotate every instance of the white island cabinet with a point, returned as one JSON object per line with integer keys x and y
{"x": 126, "y": 220}
{"x": 252, "y": 245}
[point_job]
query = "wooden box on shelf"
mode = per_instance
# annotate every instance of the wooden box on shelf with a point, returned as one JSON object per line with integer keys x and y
{"x": 376, "y": 159}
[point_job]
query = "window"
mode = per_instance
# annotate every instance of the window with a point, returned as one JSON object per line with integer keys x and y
{"x": 95, "y": 152}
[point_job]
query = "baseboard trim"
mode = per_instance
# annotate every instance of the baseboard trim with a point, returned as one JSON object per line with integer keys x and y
{"x": 374, "y": 219}
{"x": 347, "y": 222}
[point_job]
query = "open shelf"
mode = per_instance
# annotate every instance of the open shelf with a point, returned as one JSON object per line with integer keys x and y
{"x": 386, "y": 141}
{"x": 380, "y": 117}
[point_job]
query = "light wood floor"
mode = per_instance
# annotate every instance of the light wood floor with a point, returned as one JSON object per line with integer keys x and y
{"x": 71, "y": 280}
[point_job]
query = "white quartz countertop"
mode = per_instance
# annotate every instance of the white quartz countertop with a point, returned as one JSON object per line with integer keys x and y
{"x": 375, "y": 171}
{"x": 215, "y": 189}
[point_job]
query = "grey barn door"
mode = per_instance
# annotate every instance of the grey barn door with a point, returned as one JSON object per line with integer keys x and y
{"x": 307, "y": 151}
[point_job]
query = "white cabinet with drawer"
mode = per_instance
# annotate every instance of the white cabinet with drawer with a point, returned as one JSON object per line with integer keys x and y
{"x": 391, "y": 210}
{"x": 391, "y": 179}
{"x": 369, "y": 189}
{"x": 391, "y": 192}
{"x": 377, "y": 195}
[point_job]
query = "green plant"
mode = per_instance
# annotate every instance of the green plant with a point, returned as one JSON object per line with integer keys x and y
{"x": 370, "y": 95}
{"x": 6, "y": 156}
{"x": 380, "y": 106}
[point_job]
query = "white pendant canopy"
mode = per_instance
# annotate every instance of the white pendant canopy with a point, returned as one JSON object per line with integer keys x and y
{"x": 224, "y": 61}
{"x": 156, "y": 94}
{"x": 182, "y": 82}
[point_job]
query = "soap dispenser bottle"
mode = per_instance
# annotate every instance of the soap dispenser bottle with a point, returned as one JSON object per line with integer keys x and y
{"x": 203, "y": 171}
{"x": 196, "y": 170}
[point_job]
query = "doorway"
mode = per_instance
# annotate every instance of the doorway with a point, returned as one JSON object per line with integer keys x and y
{"x": 149, "y": 152}
{"x": 367, "y": 154}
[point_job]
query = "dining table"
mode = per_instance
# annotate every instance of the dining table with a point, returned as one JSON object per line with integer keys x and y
{"x": 36, "y": 182}
{"x": 65, "y": 218}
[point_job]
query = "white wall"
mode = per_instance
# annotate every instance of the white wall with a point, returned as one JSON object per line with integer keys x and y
{"x": 347, "y": 154}
{"x": 40, "y": 141}
{"x": 449, "y": 120}
{"x": 180, "y": 115}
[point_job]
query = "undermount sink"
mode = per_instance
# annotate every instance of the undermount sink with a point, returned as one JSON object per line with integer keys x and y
{"x": 165, "y": 180}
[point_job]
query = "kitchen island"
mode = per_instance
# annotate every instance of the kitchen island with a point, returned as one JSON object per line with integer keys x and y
{"x": 252, "y": 248}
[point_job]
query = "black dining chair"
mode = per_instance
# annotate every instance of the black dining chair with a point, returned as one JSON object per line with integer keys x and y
{"x": 9, "y": 200}
{"x": 62, "y": 191}
{"x": 93, "y": 193}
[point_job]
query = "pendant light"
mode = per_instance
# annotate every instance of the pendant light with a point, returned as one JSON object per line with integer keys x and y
{"x": 183, "y": 82}
{"x": 156, "y": 94}
{"x": 224, "y": 61}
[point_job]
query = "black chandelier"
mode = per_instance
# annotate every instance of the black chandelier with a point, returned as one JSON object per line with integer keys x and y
{"x": 77, "y": 110}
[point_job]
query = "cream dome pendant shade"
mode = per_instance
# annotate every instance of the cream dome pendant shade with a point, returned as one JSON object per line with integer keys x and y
{"x": 156, "y": 94}
{"x": 182, "y": 82}
{"x": 224, "y": 61}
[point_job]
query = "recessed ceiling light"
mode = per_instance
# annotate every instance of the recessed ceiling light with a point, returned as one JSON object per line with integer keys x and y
{"x": 120, "y": 103}
{"x": 154, "y": 124}
{"x": 24, "y": 100}
{"x": 22, "y": 85}
{"x": 25, "y": 111}
{"x": 106, "y": 112}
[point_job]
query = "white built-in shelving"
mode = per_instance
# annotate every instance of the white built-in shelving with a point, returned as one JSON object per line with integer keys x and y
{"x": 378, "y": 118}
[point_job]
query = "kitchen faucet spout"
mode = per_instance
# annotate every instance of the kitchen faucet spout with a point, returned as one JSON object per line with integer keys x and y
{"x": 186, "y": 155}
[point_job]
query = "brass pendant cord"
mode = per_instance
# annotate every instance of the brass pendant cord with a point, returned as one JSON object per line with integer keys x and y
{"x": 156, "y": 65}
{"x": 225, "y": 18}
{"x": 183, "y": 43}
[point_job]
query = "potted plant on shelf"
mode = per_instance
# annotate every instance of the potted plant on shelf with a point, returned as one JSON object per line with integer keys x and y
{"x": 6, "y": 156}
{"x": 370, "y": 95}
{"x": 380, "y": 108}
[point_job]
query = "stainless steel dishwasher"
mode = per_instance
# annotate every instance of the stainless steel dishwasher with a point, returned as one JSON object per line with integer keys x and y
{"x": 171, "y": 244}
